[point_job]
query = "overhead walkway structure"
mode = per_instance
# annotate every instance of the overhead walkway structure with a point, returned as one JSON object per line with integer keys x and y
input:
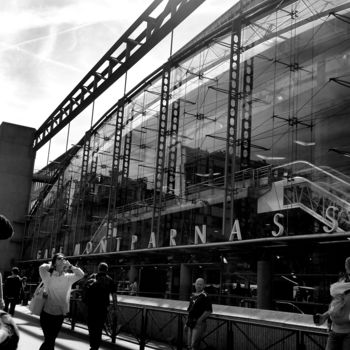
{"x": 322, "y": 193}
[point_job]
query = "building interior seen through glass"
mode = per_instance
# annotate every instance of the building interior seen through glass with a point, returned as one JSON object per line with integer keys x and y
{"x": 235, "y": 153}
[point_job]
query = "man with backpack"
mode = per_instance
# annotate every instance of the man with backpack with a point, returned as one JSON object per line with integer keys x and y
{"x": 96, "y": 294}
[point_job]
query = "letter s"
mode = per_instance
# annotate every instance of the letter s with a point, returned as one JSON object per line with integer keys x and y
{"x": 280, "y": 226}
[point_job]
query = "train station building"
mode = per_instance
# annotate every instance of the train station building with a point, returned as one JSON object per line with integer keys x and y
{"x": 229, "y": 162}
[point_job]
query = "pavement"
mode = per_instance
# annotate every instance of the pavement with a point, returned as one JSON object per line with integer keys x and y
{"x": 31, "y": 336}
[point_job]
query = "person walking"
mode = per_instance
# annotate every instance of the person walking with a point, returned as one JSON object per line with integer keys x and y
{"x": 12, "y": 291}
{"x": 6, "y": 232}
{"x": 98, "y": 289}
{"x": 24, "y": 291}
{"x": 338, "y": 313}
{"x": 9, "y": 334}
{"x": 58, "y": 277}
{"x": 199, "y": 309}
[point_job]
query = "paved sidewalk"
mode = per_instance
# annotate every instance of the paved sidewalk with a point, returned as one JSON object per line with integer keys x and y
{"x": 31, "y": 336}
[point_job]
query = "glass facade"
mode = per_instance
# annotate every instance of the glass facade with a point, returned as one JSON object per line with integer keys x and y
{"x": 229, "y": 154}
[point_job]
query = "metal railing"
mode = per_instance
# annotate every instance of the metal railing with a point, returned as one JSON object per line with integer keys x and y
{"x": 146, "y": 321}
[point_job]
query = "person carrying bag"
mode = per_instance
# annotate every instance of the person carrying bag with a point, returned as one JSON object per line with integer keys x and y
{"x": 38, "y": 301}
{"x": 58, "y": 278}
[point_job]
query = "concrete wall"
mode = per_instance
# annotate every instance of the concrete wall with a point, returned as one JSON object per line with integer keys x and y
{"x": 16, "y": 170}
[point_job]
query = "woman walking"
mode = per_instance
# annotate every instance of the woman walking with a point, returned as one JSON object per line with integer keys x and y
{"x": 58, "y": 277}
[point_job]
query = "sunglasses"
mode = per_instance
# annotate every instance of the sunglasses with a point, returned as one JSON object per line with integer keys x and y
{"x": 60, "y": 258}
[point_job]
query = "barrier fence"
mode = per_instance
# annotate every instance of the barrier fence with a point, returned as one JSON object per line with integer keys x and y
{"x": 146, "y": 321}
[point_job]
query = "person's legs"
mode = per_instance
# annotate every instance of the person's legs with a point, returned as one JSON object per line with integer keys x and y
{"x": 188, "y": 331}
{"x": 197, "y": 333}
{"x": 346, "y": 341}
{"x": 334, "y": 341}
{"x": 96, "y": 320}
{"x": 51, "y": 325}
{"x": 7, "y": 303}
{"x": 12, "y": 307}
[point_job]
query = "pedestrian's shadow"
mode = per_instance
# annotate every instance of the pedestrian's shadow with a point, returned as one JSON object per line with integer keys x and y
{"x": 35, "y": 335}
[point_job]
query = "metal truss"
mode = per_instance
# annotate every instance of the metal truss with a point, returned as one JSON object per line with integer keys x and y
{"x": 56, "y": 216}
{"x": 115, "y": 168}
{"x": 126, "y": 164}
{"x": 247, "y": 112}
{"x": 160, "y": 156}
{"x": 83, "y": 186}
{"x": 135, "y": 43}
{"x": 231, "y": 135}
{"x": 174, "y": 130}
{"x": 315, "y": 199}
{"x": 55, "y": 173}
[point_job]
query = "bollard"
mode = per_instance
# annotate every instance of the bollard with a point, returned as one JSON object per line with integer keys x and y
{"x": 114, "y": 327}
{"x": 180, "y": 334}
{"x": 229, "y": 335}
{"x": 300, "y": 341}
{"x": 143, "y": 329}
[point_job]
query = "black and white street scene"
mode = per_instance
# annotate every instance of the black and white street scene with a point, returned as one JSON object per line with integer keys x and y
{"x": 175, "y": 175}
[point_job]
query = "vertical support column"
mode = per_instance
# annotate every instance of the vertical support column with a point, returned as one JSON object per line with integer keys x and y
{"x": 126, "y": 156}
{"x": 58, "y": 207}
{"x": 82, "y": 190}
{"x": 126, "y": 164}
{"x": 264, "y": 297}
{"x": 247, "y": 113}
{"x": 160, "y": 156}
{"x": 115, "y": 168}
{"x": 174, "y": 129}
{"x": 34, "y": 230}
{"x": 93, "y": 174}
{"x": 231, "y": 136}
{"x": 185, "y": 282}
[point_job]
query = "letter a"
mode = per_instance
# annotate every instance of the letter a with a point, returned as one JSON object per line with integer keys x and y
{"x": 173, "y": 234}
{"x": 236, "y": 230}
{"x": 152, "y": 241}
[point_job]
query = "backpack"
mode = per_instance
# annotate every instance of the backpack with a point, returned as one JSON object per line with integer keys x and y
{"x": 90, "y": 290}
{"x": 339, "y": 309}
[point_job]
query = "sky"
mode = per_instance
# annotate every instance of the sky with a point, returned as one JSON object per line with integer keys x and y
{"x": 48, "y": 46}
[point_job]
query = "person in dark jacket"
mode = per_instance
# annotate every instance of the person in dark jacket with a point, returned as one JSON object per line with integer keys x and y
{"x": 199, "y": 309}
{"x": 9, "y": 334}
{"x": 12, "y": 291}
{"x": 98, "y": 289}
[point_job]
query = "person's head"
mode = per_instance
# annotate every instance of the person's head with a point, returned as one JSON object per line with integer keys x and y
{"x": 6, "y": 229}
{"x": 103, "y": 267}
{"x": 57, "y": 262}
{"x": 199, "y": 285}
{"x": 15, "y": 271}
{"x": 347, "y": 265}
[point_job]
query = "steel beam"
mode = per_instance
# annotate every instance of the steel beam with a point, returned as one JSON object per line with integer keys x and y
{"x": 125, "y": 53}
{"x": 160, "y": 156}
{"x": 231, "y": 133}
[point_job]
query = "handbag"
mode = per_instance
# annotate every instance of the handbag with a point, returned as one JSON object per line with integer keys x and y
{"x": 38, "y": 301}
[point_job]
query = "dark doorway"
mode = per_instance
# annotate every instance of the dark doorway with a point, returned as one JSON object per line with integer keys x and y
{"x": 152, "y": 282}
